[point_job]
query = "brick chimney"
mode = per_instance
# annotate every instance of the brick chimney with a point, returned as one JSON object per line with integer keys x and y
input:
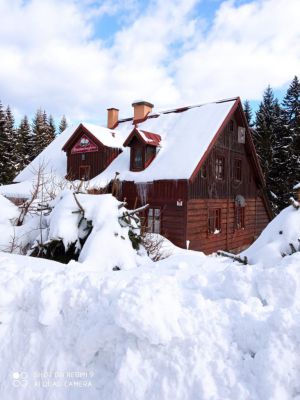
{"x": 141, "y": 110}
{"x": 112, "y": 117}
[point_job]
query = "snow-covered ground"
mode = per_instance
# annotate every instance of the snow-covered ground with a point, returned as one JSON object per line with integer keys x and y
{"x": 187, "y": 327}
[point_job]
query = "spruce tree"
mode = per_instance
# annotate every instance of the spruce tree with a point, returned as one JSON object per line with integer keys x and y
{"x": 5, "y": 173}
{"x": 248, "y": 112}
{"x": 63, "y": 124}
{"x": 12, "y": 143}
{"x": 291, "y": 107}
{"x": 52, "y": 128}
{"x": 25, "y": 144}
{"x": 281, "y": 172}
{"x": 267, "y": 138}
{"x": 40, "y": 129}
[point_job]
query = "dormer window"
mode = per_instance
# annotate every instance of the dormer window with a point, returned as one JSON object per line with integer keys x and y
{"x": 143, "y": 148}
{"x": 137, "y": 158}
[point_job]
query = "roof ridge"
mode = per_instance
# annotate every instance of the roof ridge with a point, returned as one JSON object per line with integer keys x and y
{"x": 179, "y": 109}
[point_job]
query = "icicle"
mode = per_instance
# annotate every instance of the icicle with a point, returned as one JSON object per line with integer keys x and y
{"x": 142, "y": 190}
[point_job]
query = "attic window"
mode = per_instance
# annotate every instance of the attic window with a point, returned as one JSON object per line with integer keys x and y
{"x": 137, "y": 158}
{"x": 237, "y": 170}
{"x": 220, "y": 167}
{"x": 204, "y": 171}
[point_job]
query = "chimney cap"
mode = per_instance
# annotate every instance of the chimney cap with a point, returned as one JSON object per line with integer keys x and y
{"x": 112, "y": 108}
{"x": 142, "y": 103}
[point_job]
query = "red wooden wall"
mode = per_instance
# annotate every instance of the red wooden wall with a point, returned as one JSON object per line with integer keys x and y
{"x": 97, "y": 160}
{"x": 190, "y": 221}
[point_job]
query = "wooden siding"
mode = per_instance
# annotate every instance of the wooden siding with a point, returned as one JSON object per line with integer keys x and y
{"x": 230, "y": 238}
{"x": 206, "y": 191}
{"x": 228, "y": 147}
{"x": 162, "y": 194}
{"x": 98, "y": 161}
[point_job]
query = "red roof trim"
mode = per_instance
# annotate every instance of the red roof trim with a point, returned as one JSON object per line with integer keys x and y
{"x": 154, "y": 139}
{"x": 81, "y": 129}
{"x": 212, "y": 143}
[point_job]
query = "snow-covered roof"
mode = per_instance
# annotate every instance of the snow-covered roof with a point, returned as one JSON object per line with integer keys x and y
{"x": 185, "y": 137}
{"x": 185, "y": 133}
{"x": 53, "y": 158}
{"x": 107, "y": 137}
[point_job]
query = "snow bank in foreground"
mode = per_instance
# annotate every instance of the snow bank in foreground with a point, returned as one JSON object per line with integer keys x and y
{"x": 276, "y": 239}
{"x": 188, "y": 327}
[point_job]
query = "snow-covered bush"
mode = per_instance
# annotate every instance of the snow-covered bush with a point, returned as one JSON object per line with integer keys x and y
{"x": 280, "y": 238}
{"x": 95, "y": 229}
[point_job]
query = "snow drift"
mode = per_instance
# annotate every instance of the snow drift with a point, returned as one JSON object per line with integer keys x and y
{"x": 187, "y": 327}
{"x": 192, "y": 327}
{"x": 280, "y": 237}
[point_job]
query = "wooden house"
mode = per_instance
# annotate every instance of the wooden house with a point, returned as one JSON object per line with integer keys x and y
{"x": 195, "y": 166}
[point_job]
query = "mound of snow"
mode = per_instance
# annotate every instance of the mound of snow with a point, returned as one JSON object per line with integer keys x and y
{"x": 276, "y": 239}
{"x": 8, "y": 211}
{"x": 108, "y": 245}
{"x": 190, "y": 327}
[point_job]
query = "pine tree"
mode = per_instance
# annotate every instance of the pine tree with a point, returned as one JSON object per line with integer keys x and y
{"x": 5, "y": 173}
{"x": 248, "y": 112}
{"x": 63, "y": 124}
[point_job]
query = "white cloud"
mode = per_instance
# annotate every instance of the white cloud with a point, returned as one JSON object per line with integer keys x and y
{"x": 50, "y": 58}
{"x": 247, "y": 48}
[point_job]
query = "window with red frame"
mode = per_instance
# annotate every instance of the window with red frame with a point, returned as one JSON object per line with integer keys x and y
{"x": 239, "y": 217}
{"x": 214, "y": 220}
{"x": 237, "y": 170}
{"x": 220, "y": 167}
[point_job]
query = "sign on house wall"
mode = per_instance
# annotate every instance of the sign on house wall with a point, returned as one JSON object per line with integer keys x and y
{"x": 84, "y": 145}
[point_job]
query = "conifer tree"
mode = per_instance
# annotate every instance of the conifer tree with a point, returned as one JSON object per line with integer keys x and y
{"x": 63, "y": 124}
{"x": 25, "y": 144}
{"x": 12, "y": 142}
{"x": 248, "y": 112}
{"x": 291, "y": 107}
{"x": 40, "y": 129}
{"x": 52, "y": 128}
{"x": 5, "y": 173}
{"x": 267, "y": 138}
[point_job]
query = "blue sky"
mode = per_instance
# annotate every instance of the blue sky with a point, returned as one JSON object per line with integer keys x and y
{"x": 79, "y": 57}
